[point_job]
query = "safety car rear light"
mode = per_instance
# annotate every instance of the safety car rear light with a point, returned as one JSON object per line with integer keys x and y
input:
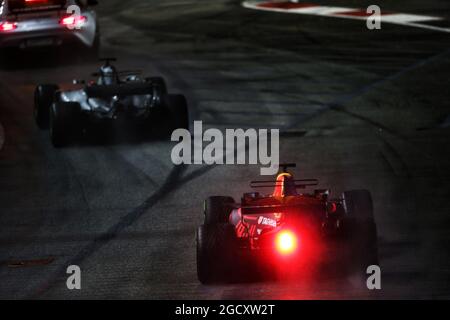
{"x": 8, "y": 26}
{"x": 73, "y": 21}
{"x": 286, "y": 242}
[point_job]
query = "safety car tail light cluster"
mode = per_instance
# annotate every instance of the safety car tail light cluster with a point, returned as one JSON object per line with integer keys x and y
{"x": 73, "y": 21}
{"x": 8, "y": 26}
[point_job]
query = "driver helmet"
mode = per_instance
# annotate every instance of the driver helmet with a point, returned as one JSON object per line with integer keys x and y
{"x": 108, "y": 75}
{"x": 285, "y": 185}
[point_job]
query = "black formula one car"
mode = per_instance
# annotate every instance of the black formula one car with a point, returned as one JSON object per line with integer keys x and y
{"x": 113, "y": 96}
{"x": 285, "y": 231}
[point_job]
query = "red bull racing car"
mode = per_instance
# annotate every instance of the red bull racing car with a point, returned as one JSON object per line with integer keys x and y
{"x": 284, "y": 231}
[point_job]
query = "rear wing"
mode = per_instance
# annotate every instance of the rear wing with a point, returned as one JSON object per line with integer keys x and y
{"x": 300, "y": 184}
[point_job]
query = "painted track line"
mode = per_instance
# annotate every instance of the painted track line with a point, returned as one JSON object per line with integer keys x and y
{"x": 298, "y": 7}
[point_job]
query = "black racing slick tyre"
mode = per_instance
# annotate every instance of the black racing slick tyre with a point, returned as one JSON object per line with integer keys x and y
{"x": 363, "y": 231}
{"x": 216, "y": 253}
{"x": 160, "y": 82}
{"x": 217, "y": 209}
{"x": 63, "y": 122}
{"x": 176, "y": 104}
{"x": 44, "y": 96}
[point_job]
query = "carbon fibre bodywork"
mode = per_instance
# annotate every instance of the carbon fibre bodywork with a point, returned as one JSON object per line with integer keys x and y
{"x": 136, "y": 98}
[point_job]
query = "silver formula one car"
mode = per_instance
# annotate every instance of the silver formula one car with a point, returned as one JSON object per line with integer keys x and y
{"x": 37, "y": 23}
{"x": 112, "y": 97}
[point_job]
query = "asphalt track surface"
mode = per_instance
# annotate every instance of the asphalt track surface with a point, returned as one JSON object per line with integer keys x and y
{"x": 356, "y": 109}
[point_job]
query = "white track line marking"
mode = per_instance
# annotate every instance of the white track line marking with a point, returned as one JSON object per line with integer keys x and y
{"x": 297, "y": 7}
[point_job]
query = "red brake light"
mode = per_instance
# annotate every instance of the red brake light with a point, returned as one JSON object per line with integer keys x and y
{"x": 73, "y": 21}
{"x": 8, "y": 26}
{"x": 286, "y": 242}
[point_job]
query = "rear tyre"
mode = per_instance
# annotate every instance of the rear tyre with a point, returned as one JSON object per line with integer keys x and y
{"x": 43, "y": 99}
{"x": 217, "y": 209}
{"x": 64, "y": 118}
{"x": 216, "y": 249}
{"x": 363, "y": 231}
{"x": 176, "y": 104}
